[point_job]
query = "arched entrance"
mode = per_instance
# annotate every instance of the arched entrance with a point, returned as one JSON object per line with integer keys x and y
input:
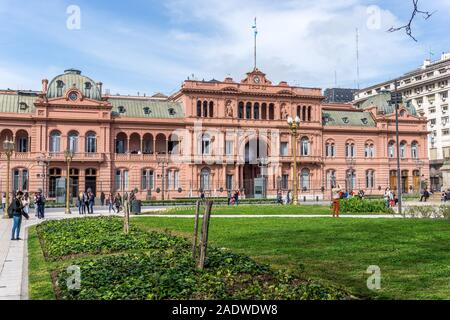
{"x": 254, "y": 173}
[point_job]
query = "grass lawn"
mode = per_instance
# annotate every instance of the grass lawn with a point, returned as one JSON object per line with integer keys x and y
{"x": 40, "y": 284}
{"x": 257, "y": 210}
{"x": 413, "y": 255}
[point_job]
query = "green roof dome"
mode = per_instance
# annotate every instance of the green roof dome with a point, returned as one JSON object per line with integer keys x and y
{"x": 382, "y": 102}
{"x": 70, "y": 78}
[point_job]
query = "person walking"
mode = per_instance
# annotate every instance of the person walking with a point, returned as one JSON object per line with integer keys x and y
{"x": 86, "y": 201}
{"x": 17, "y": 213}
{"x": 102, "y": 198}
{"x": 110, "y": 201}
{"x": 288, "y": 197}
{"x": 387, "y": 197}
{"x": 39, "y": 201}
{"x": 81, "y": 201}
{"x": 26, "y": 203}
{"x": 236, "y": 197}
{"x": 91, "y": 202}
{"x": 336, "y": 193}
{"x": 118, "y": 202}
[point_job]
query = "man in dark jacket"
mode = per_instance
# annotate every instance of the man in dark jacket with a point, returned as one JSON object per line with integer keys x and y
{"x": 17, "y": 213}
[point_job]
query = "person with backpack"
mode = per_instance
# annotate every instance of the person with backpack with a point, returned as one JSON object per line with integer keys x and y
{"x": 16, "y": 212}
{"x": 39, "y": 201}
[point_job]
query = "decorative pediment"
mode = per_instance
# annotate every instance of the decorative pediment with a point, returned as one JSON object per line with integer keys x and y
{"x": 256, "y": 77}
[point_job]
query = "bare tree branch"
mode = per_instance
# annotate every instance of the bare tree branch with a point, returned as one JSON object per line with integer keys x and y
{"x": 408, "y": 27}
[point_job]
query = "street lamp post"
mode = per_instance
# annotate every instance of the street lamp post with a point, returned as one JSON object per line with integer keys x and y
{"x": 68, "y": 154}
{"x": 396, "y": 99}
{"x": 294, "y": 124}
{"x": 8, "y": 146}
{"x": 162, "y": 161}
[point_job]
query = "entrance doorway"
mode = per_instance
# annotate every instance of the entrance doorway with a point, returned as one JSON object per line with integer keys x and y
{"x": 91, "y": 180}
{"x": 255, "y": 185}
{"x": 405, "y": 181}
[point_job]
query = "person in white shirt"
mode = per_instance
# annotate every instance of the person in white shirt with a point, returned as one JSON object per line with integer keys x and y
{"x": 336, "y": 192}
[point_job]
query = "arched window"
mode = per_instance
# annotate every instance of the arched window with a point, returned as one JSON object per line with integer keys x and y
{"x": 121, "y": 143}
{"x": 248, "y": 110}
{"x": 55, "y": 141}
{"x": 147, "y": 179}
{"x": 20, "y": 180}
{"x": 304, "y": 113}
{"x": 205, "y": 176}
{"x": 370, "y": 179}
{"x": 264, "y": 111}
{"x": 331, "y": 179}
{"x": 211, "y": 109}
{"x": 271, "y": 111}
{"x": 205, "y": 109}
{"x": 299, "y": 113}
{"x": 305, "y": 147}
{"x": 403, "y": 150}
{"x": 121, "y": 180}
{"x": 72, "y": 142}
{"x": 241, "y": 110}
{"x": 206, "y": 144}
{"x": 330, "y": 149}
{"x": 369, "y": 150}
{"x": 305, "y": 179}
{"x": 391, "y": 149}
{"x": 91, "y": 142}
{"x": 256, "y": 111}
{"x": 59, "y": 88}
{"x": 350, "y": 151}
{"x": 309, "y": 113}
{"x": 414, "y": 150}
{"x": 199, "y": 108}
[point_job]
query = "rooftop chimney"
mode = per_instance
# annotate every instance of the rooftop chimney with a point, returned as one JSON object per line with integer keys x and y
{"x": 44, "y": 86}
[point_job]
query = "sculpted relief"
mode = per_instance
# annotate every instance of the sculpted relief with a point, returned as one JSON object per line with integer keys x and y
{"x": 229, "y": 109}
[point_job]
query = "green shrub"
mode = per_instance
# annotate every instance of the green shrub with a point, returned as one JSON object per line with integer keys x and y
{"x": 67, "y": 237}
{"x": 355, "y": 205}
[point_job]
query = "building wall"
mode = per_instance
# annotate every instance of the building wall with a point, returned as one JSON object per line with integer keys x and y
{"x": 86, "y": 115}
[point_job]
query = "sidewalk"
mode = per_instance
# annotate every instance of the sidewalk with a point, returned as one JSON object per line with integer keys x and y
{"x": 13, "y": 259}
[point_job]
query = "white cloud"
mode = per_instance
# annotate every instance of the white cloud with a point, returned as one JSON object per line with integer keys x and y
{"x": 300, "y": 41}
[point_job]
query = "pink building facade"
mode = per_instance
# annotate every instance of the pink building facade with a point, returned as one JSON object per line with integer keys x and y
{"x": 214, "y": 136}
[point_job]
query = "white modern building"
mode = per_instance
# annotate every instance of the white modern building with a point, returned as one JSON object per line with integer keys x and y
{"x": 427, "y": 89}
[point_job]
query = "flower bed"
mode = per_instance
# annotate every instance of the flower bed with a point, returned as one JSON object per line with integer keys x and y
{"x": 63, "y": 238}
{"x": 160, "y": 266}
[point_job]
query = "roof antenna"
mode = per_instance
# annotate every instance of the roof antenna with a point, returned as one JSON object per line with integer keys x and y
{"x": 256, "y": 33}
{"x": 357, "y": 58}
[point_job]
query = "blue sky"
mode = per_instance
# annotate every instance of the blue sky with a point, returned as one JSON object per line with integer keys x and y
{"x": 152, "y": 46}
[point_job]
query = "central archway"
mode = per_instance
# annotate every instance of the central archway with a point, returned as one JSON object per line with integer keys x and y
{"x": 254, "y": 176}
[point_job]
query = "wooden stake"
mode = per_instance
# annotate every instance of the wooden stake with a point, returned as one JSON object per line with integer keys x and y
{"x": 126, "y": 222}
{"x": 205, "y": 232}
{"x": 194, "y": 240}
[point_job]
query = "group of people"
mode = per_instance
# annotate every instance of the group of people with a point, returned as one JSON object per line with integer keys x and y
{"x": 390, "y": 198}
{"x": 233, "y": 198}
{"x": 286, "y": 200}
{"x": 85, "y": 202}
